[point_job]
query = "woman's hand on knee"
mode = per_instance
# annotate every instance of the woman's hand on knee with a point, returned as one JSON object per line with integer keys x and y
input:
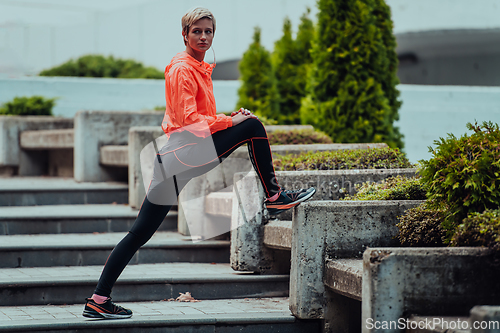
{"x": 241, "y": 115}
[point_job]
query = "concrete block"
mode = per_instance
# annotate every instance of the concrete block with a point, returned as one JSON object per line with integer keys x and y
{"x": 116, "y": 156}
{"x": 94, "y": 129}
{"x": 426, "y": 281}
{"x": 247, "y": 250}
{"x": 16, "y": 160}
{"x": 218, "y": 179}
{"x": 219, "y": 203}
{"x": 342, "y": 310}
{"x": 337, "y": 229}
{"x": 278, "y": 235}
{"x": 140, "y": 138}
{"x": 488, "y": 318}
{"x": 330, "y": 184}
{"x": 47, "y": 139}
{"x": 344, "y": 276}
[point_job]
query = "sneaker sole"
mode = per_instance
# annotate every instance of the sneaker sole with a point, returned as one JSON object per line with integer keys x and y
{"x": 90, "y": 314}
{"x": 295, "y": 203}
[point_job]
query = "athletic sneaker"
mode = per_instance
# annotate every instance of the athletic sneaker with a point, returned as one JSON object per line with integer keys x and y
{"x": 288, "y": 199}
{"x": 108, "y": 310}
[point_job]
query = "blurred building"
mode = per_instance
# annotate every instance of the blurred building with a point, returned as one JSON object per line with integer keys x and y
{"x": 445, "y": 42}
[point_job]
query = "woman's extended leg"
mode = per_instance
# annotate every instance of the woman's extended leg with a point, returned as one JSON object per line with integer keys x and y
{"x": 148, "y": 221}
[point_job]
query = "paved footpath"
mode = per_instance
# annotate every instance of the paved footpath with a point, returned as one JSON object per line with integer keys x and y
{"x": 146, "y": 310}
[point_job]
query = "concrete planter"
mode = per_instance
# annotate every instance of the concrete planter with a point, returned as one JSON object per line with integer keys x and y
{"x": 14, "y": 159}
{"x": 221, "y": 177}
{"x": 94, "y": 129}
{"x": 398, "y": 282}
{"x": 250, "y": 257}
{"x": 335, "y": 229}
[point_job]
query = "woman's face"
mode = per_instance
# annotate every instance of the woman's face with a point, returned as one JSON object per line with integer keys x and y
{"x": 200, "y": 35}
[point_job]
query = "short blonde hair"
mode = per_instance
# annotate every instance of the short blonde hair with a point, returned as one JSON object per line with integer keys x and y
{"x": 194, "y": 15}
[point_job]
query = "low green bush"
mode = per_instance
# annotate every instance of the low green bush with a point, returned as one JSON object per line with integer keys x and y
{"x": 28, "y": 106}
{"x": 464, "y": 173}
{"x": 100, "y": 66}
{"x": 302, "y": 136}
{"x": 375, "y": 158}
{"x": 392, "y": 188}
{"x": 479, "y": 229}
{"x": 421, "y": 226}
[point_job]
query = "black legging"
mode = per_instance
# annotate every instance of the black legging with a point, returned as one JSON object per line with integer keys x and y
{"x": 151, "y": 215}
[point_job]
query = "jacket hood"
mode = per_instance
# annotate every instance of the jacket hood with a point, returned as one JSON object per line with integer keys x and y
{"x": 184, "y": 57}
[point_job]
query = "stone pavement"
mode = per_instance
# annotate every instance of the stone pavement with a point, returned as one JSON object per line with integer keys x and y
{"x": 203, "y": 308}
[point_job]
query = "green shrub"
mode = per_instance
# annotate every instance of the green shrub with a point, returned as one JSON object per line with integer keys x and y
{"x": 421, "y": 226}
{"x": 392, "y": 188}
{"x": 28, "y": 106}
{"x": 464, "y": 173}
{"x": 347, "y": 92}
{"x": 376, "y": 158}
{"x": 290, "y": 60}
{"x": 100, "y": 66}
{"x": 293, "y": 137}
{"x": 258, "y": 87}
{"x": 479, "y": 229}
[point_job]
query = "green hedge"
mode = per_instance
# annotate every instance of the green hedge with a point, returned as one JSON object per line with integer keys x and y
{"x": 392, "y": 188}
{"x": 376, "y": 158}
{"x": 479, "y": 229}
{"x": 28, "y": 106}
{"x": 100, "y": 66}
{"x": 464, "y": 173}
{"x": 293, "y": 137}
{"x": 421, "y": 226}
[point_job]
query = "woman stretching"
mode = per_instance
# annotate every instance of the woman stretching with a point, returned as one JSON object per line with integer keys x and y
{"x": 198, "y": 140}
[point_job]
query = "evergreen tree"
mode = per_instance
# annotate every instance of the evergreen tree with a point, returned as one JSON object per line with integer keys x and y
{"x": 345, "y": 93}
{"x": 284, "y": 60}
{"x": 388, "y": 73}
{"x": 303, "y": 43}
{"x": 258, "y": 87}
{"x": 291, "y": 59}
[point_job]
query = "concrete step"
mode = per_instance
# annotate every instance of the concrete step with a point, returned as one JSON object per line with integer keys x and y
{"x": 32, "y": 191}
{"x": 224, "y": 315}
{"x": 145, "y": 282}
{"x": 94, "y": 249}
{"x": 59, "y": 219}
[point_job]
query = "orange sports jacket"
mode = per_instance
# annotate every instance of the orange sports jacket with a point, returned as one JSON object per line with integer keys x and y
{"x": 190, "y": 98}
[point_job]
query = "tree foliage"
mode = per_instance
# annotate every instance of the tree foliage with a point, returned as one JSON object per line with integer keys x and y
{"x": 291, "y": 60}
{"x": 464, "y": 173}
{"x": 351, "y": 92}
{"x": 28, "y": 106}
{"x": 258, "y": 87}
{"x": 100, "y": 66}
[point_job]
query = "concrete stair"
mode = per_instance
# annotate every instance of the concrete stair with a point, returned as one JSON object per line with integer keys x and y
{"x": 93, "y": 249}
{"x": 145, "y": 282}
{"x": 61, "y": 219}
{"x": 55, "y": 235}
{"x": 32, "y": 191}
